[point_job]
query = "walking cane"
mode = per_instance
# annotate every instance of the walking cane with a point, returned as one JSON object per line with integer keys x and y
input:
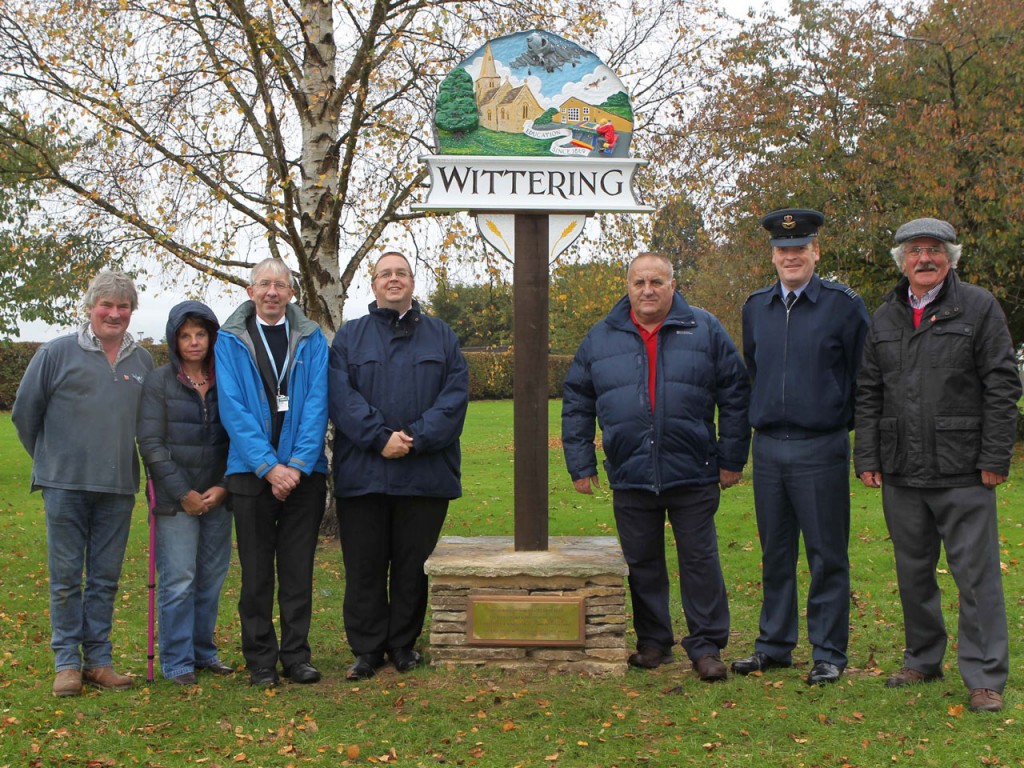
{"x": 151, "y": 499}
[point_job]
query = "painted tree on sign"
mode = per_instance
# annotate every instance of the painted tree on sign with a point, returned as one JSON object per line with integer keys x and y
{"x": 456, "y": 103}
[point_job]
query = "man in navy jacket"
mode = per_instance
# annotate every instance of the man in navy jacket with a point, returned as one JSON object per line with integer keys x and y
{"x": 652, "y": 373}
{"x": 399, "y": 387}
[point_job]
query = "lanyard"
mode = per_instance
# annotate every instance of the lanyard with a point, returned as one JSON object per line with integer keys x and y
{"x": 270, "y": 353}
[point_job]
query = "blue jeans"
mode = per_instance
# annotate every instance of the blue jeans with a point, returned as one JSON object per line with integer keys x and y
{"x": 192, "y": 559}
{"x": 85, "y": 530}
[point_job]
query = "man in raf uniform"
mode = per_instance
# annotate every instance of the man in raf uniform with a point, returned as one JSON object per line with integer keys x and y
{"x": 802, "y": 342}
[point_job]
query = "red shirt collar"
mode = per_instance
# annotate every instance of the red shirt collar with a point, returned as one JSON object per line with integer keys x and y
{"x": 644, "y": 333}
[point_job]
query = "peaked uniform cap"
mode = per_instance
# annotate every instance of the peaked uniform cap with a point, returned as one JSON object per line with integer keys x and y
{"x": 793, "y": 226}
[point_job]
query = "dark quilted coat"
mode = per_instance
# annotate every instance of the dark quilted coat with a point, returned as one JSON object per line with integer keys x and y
{"x": 182, "y": 441}
{"x": 699, "y": 371}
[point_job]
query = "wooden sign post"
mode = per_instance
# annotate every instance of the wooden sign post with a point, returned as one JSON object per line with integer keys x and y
{"x": 558, "y": 124}
{"x": 530, "y": 385}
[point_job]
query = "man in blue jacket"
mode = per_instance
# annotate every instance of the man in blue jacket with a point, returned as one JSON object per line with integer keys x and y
{"x": 802, "y": 341}
{"x": 652, "y": 373}
{"x": 399, "y": 388}
{"x": 272, "y": 377}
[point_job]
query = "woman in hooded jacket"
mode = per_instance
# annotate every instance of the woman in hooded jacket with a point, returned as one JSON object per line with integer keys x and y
{"x": 185, "y": 449}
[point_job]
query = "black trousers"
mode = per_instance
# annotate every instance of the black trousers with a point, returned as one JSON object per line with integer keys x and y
{"x": 385, "y": 540}
{"x": 640, "y": 520}
{"x": 278, "y": 537}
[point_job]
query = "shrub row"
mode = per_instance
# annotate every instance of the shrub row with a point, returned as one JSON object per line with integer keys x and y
{"x": 490, "y": 373}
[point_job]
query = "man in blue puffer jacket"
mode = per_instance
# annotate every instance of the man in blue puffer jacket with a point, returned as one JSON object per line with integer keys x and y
{"x": 272, "y": 376}
{"x": 399, "y": 387}
{"x": 652, "y": 373}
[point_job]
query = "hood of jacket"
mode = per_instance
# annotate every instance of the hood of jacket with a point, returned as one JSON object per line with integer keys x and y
{"x": 176, "y": 319}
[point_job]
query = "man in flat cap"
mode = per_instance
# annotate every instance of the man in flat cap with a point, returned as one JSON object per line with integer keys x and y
{"x": 802, "y": 342}
{"x": 936, "y": 417}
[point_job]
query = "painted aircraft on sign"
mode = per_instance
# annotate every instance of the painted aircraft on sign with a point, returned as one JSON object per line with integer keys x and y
{"x": 547, "y": 51}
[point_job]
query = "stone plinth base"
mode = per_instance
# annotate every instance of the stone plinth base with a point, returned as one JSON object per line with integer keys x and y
{"x": 587, "y": 567}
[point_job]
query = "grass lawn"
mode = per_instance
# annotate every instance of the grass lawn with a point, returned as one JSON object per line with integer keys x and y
{"x": 484, "y": 717}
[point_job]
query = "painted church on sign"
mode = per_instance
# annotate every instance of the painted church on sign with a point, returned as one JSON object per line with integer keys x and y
{"x": 502, "y": 107}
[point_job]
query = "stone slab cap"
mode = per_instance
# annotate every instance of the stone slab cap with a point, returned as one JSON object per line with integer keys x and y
{"x": 579, "y": 556}
{"x": 936, "y": 228}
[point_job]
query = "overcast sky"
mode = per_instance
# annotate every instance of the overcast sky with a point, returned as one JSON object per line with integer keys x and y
{"x": 154, "y": 304}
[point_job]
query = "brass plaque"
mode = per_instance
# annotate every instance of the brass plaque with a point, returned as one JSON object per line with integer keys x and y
{"x": 526, "y": 620}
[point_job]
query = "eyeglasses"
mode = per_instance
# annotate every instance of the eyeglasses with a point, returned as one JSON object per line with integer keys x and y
{"x": 387, "y": 274}
{"x": 931, "y": 250}
{"x": 264, "y": 285}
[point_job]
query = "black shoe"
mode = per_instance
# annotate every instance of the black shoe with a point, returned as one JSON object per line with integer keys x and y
{"x": 302, "y": 672}
{"x": 265, "y": 677}
{"x": 186, "y": 678}
{"x": 365, "y": 667}
{"x": 218, "y": 668}
{"x": 758, "y": 662}
{"x": 405, "y": 659}
{"x": 823, "y": 673}
{"x": 650, "y": 657}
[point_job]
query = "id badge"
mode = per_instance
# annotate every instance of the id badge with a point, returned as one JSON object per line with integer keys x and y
{"x": 282, "y": 403}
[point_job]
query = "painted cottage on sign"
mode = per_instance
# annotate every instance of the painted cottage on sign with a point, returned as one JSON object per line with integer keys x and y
{"x": 576, "y": 110}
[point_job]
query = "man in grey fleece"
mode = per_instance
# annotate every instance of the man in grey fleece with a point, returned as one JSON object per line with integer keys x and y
{"x": 75, "y": 414}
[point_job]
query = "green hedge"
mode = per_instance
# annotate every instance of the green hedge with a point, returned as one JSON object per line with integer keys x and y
{"x": 490, "y": 373}
{"x": 14, "y": 359}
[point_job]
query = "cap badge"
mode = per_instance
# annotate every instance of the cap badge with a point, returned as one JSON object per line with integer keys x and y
{"x": 788, "y": 222}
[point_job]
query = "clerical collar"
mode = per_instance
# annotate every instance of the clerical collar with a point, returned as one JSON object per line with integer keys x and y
{"x": 282, "y": 321}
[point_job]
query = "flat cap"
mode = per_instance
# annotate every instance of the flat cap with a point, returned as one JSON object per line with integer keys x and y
{"x": 936, "y": 228}
{"x": 792, "y": 226}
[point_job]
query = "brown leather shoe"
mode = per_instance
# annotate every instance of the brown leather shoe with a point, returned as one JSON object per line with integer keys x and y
{"x": 68, "y": 682}
{"x": 908, "y": 676}
{"x": 985, "y": 700}
{"x": 650, "y": 657}
{"x": 106, "y": 677}
{"x": 710, "y": 668}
